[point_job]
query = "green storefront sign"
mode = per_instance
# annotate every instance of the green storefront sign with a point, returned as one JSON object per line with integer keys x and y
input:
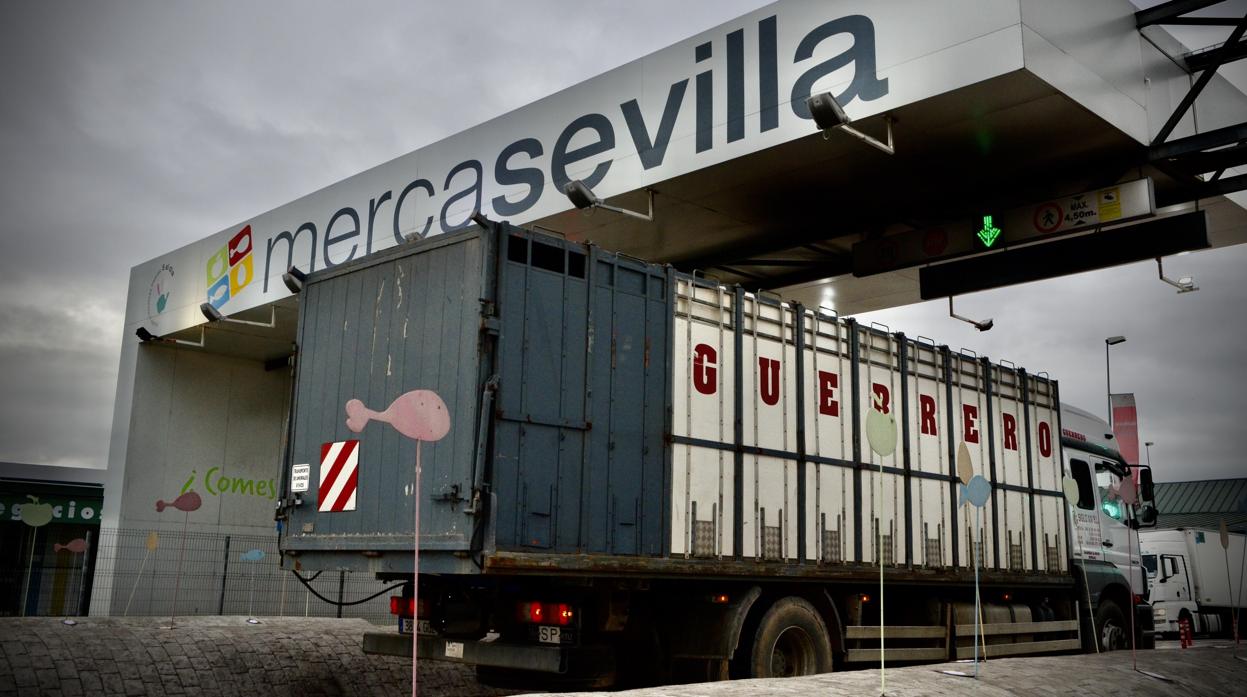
{"x": 54, "y": 509}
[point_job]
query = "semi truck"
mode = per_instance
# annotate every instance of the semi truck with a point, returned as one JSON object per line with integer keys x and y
{"x": 619, "y": 473}
{"x": 1193, "y": 578}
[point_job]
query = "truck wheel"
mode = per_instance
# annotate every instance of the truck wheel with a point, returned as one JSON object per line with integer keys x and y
{"x": 1111, "y": 626}
{"x": 791, "y": 640}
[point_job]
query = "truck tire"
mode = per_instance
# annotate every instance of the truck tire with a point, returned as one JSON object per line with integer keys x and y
{"x": 791, "y": 640}
{"x": 1111, "y": 628}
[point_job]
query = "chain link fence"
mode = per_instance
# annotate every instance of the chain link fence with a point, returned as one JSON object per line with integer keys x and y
{"x": 171, "y": 572}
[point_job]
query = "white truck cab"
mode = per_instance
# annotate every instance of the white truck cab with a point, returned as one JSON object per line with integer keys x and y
{"x": 1193, "y": 577}
{"x": 1105, "y": 545}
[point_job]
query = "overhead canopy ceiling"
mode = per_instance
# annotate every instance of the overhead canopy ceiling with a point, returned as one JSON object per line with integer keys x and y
{"x": 786, "y": 218}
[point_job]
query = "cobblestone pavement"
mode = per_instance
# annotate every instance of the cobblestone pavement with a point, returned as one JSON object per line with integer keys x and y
{"x": 297, "y": 656}
{"x": 210, "y": 656}
{"x": 1208, "y": 670}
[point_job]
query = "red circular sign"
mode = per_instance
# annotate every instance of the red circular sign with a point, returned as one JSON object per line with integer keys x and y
{"x": 935, "y": 242}
{"x": 1047, "y": 217}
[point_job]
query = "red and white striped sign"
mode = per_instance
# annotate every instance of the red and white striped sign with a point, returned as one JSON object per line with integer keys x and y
{"x": 339, "y": 473}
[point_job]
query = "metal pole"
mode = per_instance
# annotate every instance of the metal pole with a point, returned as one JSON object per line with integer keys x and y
{"x": 1108, "y": 384}
{"x": 977, "y": 608}
{"x": 30, "y": 563}
{"x": 220, "y": 608}
{"x": 341, "y": 588}
{"x": 82, "y": 583}
{"x": 415, "y": 577}
{"x": 177, "y": 577}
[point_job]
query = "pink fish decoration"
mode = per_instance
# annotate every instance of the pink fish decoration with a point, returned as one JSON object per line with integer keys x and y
{"x": 188, "y": 502}
{"x": 419, "y": 415}
{"x": 1124, "y": 491}
{"x": 77, "y": 546}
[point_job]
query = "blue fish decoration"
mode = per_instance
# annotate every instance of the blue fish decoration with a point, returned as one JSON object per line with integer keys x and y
{"x": 976, "y": 492}
{"x": 253, "y": 555}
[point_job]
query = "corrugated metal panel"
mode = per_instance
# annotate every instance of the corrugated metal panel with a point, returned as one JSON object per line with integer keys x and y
{"x": 1210, "y": 496}
{"x": 1237, "y": 522}
{"x": 373, "y": 331}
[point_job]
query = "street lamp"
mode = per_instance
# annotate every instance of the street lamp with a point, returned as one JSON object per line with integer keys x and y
{"x": 1108, "y": 374}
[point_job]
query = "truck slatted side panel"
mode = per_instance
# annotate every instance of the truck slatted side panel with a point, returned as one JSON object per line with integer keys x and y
{"x": 372, "y": 331}
{"x": 1043, "y": 445}
{"x": 758, "y": 436}
{"x": 932, "y": 495}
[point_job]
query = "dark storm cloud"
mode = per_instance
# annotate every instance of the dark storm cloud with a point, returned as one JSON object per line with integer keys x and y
{"x": 131, "y": 129}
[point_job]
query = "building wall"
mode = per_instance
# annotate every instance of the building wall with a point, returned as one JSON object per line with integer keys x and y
{"x": 208, "y": 423}
{"x": 199, "y": 422}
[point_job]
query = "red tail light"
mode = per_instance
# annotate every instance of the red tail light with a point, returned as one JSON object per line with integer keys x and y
{"x": 561, "y": 614}
{"x": 405, "y": 607}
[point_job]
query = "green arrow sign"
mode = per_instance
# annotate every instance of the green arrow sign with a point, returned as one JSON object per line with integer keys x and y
{"x": 989, "y": 233}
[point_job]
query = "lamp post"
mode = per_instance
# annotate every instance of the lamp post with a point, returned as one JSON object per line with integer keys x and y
{"x": 1108, "y": 373}
{"x": 1148, "y": 447}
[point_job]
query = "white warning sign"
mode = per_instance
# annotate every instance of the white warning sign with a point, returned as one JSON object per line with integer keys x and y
{"x": 300, "y": 478}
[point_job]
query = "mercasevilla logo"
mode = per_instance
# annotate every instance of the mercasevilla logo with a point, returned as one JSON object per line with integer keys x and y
{"x": 530, "y": 163}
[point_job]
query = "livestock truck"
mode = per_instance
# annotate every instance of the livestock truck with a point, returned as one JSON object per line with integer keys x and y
{"x": 630, "y": 474}
{"x": 1193, "y": 578}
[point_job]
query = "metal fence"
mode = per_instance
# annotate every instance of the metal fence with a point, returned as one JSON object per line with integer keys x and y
{"x": 171, "y": 572}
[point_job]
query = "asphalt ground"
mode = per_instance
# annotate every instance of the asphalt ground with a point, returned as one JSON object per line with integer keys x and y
{"x": 314, "y": 656}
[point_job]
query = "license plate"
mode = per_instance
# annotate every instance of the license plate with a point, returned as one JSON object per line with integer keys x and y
{"x": 424, "y": 627}
{"x": 550, "y": 635}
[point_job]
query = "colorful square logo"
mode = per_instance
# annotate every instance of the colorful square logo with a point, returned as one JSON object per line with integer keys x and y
{"x": 230, "y": 269}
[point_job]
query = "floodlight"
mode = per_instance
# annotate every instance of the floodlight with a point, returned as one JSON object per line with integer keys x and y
{"x": 1186, "y": 284}
{"x": 583, "y": 198}
{"x": 294, "y": 279}
{"x": 215, "y": 315}
{"x": 981, "y": 325}
{"x": 829, "y": 116}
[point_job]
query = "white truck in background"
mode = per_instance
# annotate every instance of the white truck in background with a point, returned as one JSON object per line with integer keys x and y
{"x": 1191, "y": 576}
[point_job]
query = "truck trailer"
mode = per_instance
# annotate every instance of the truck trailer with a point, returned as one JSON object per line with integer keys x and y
{"x": 630, "y": 474}
{"x": 1193, "y": 578}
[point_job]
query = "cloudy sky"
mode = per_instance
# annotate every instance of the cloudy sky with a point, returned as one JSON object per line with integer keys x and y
{"x": 131, "y": 129}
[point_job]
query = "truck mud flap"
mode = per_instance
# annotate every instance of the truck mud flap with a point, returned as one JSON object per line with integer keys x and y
{"x": 545, "y": 659}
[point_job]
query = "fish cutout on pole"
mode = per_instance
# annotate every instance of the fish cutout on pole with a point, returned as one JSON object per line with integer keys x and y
{"x": 975, "y": 490}
{"x": 1069, "y": 487}
{"x": 976, "y": 493}
{"x": 965, "y": 467}
{"x": 153, "y": 541}
{"x": 190, "y": 501}
{"x": 422, "y": 416}
{"x": 1124, "y": 491}
{"x": 186, "y": 502}
{"x": 77, "y": 546}
{"x": 881, "y": 432}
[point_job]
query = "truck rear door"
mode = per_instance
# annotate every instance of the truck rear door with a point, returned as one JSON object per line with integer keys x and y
{"x": 377, "y": 330}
